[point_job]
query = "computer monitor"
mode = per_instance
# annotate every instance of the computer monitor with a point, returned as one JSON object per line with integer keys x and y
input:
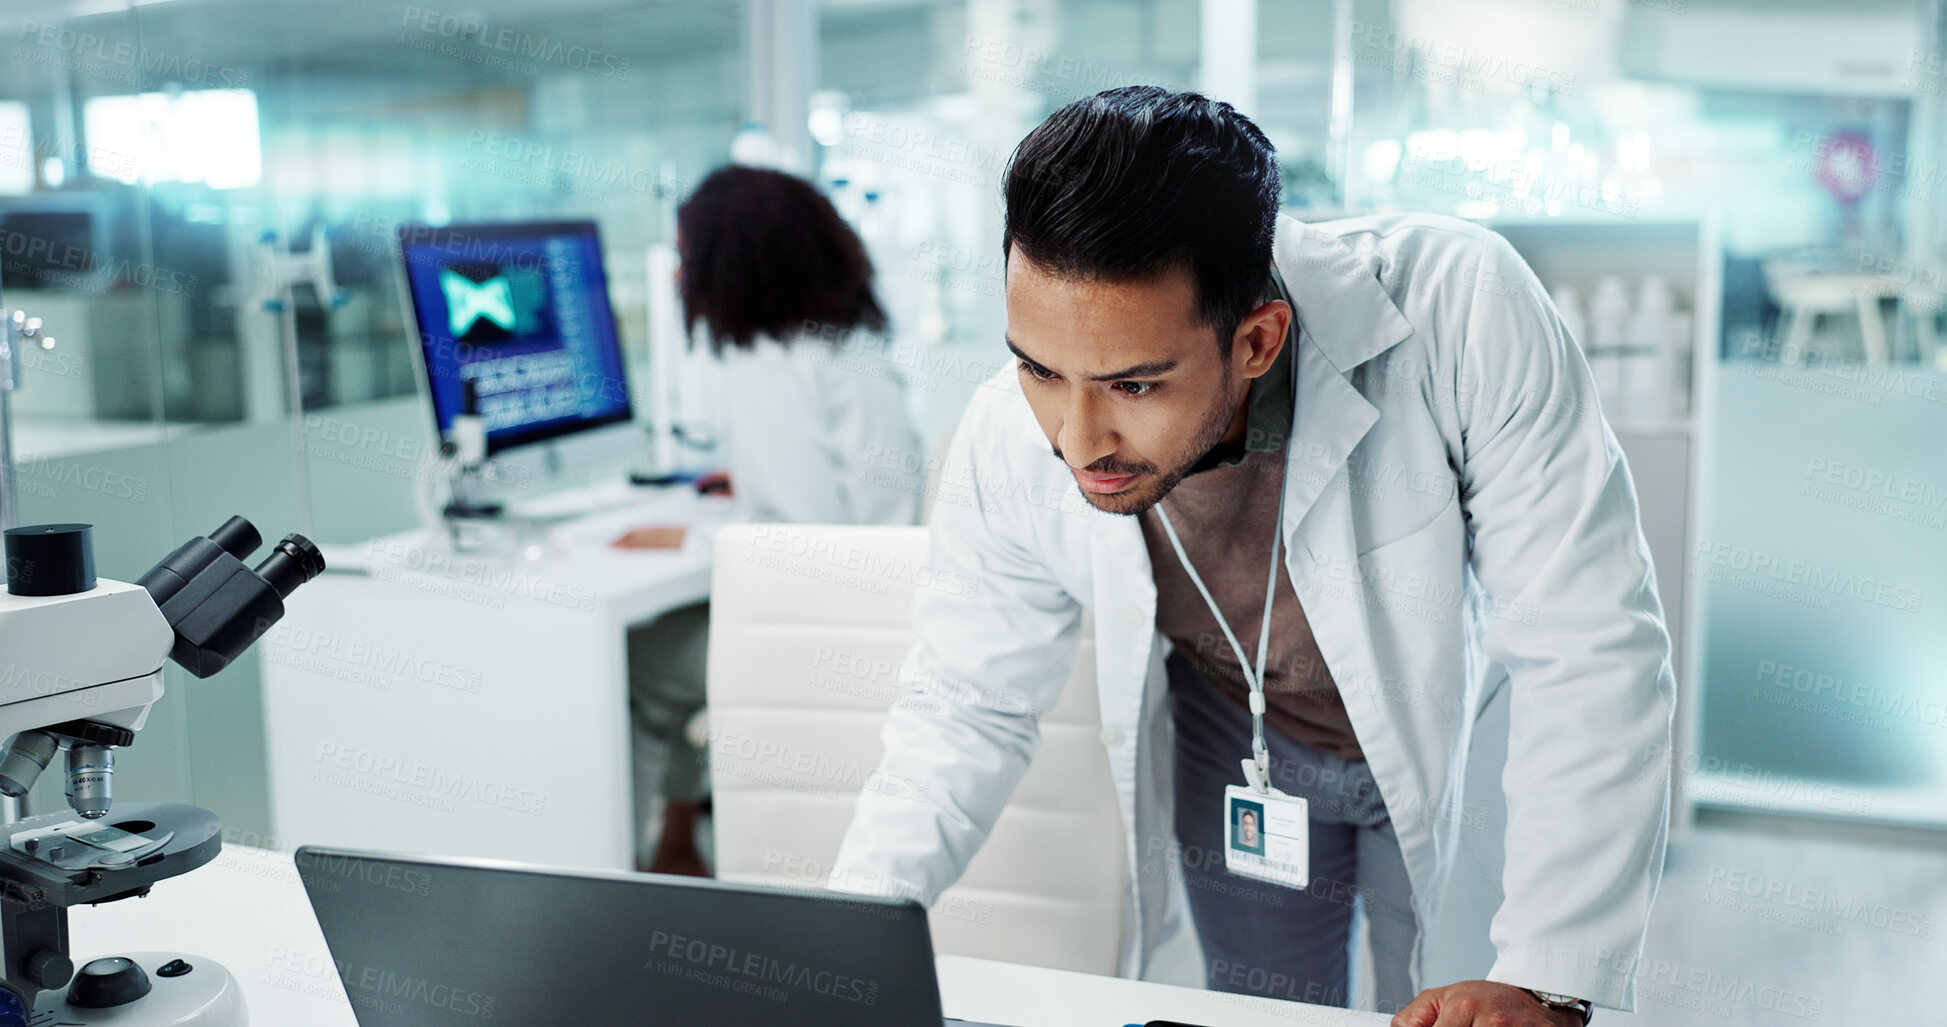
{"x": 517, "y": 313}
{"x": 67, "y": 240}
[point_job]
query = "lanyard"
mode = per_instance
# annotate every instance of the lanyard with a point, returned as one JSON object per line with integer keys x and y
{"x": 1254, "y": 676}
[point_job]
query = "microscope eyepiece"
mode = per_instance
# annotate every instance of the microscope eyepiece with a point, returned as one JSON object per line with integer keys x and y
{"x": 291, "y": 563}
{"x": 231, "y": 604}
{"x": 238, "y": 537}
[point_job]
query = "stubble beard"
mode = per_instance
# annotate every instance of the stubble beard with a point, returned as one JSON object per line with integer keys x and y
{"x": 1209, "y": 434}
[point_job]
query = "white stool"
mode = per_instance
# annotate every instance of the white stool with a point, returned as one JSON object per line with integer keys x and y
{"x": 1806, "y": 295}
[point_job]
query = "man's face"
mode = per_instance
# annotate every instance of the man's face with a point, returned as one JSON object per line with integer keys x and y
{"x": 1130, "y": 390}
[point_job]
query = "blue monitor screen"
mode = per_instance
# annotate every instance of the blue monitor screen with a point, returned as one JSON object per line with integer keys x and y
{"x": 520, "y": 312}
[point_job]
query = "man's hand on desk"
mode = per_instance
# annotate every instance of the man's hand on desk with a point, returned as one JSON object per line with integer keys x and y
{"x": 1481, "y": 1004}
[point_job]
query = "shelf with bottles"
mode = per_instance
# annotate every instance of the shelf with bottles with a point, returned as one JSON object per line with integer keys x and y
{"x": 1641, "y": 298}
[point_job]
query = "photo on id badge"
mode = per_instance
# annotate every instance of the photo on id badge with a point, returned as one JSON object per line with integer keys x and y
{"x": 1246, "y": 826}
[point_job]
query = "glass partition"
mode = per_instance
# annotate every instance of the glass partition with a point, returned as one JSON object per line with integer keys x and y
{"x": 92, "y": 427}
{"x": 200, "y": 200}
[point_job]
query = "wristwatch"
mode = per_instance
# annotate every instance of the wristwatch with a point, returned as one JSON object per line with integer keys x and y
{"x": 1554, "y": 1001}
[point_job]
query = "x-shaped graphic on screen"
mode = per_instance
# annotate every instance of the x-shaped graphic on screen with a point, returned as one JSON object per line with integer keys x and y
{"x": 468, "y": 301}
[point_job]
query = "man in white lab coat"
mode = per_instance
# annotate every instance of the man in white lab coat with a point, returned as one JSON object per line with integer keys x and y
{"x": 1394, "y": 401}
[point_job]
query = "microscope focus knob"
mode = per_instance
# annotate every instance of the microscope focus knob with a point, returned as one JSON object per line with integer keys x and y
{"x": 49, "y": 969}
{"x": 110, "y": 981}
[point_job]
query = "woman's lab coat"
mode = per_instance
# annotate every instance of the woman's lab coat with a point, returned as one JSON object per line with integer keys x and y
{"x": 819, "y": 432}
{"x": 1459, "y": 519}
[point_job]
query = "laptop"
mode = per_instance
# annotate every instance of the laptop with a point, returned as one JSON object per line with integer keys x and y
{"x": 423, "y": 941}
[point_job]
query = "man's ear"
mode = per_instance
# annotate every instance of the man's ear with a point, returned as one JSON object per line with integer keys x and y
{"x": 1260, "y": 337}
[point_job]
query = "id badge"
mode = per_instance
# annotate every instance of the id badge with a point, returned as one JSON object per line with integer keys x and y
{"x": 1267, "y": 835}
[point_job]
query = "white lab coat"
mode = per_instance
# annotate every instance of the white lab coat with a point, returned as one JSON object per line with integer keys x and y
{"x": 820, "y": 433}
{"x": 1459, "y": 519}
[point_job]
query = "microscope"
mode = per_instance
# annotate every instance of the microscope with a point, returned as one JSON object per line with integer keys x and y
{"x": 80, "y": 668}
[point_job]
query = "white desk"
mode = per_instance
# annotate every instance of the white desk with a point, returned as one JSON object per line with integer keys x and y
{"x": 477, "y": 705}
{"x": 248, "y": 912}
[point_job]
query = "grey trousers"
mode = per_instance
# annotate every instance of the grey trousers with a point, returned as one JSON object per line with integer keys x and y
{"x": 666, "y": 689}
{"x": 1269, "y": 940}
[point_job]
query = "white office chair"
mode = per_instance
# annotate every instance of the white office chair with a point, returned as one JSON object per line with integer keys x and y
{"x": 808, "y": 627}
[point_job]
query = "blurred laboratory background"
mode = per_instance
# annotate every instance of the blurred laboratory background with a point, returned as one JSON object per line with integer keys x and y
{"x": 1739, "y": 206}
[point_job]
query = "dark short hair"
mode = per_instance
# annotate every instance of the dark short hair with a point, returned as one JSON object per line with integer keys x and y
{"x": 1141, "y": 180}
{"x": 765, "y": 253}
